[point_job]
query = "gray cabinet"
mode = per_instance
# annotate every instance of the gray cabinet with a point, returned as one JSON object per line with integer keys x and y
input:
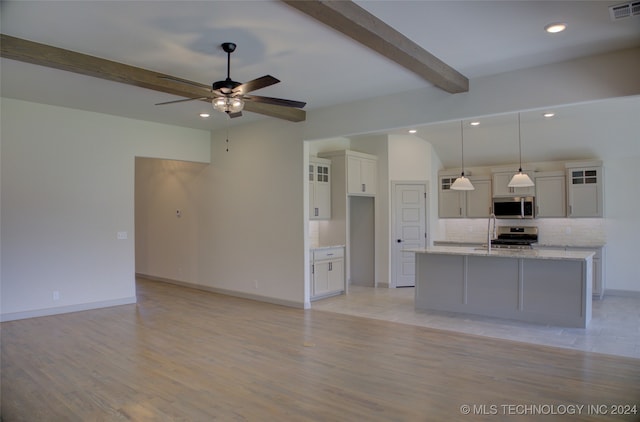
{"x": 460, "y": 204}
{"x": 451, "y": 203}
{"x": 598, "y": 281}
{"x": 478, "y": 201}
{"x": 551, "y": 197}
{"x": 584, "y": 186}
{"x": 598, "y": 269}
{"x": 501, "y": 188}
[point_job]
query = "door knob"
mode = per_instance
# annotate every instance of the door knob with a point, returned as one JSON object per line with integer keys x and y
{"x": 399, "y": 240}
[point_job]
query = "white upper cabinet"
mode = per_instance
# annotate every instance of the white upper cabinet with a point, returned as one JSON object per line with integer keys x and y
{"x": 584, "y": 186}
{"x": 501, "y": 188}
{"x": 319, "y": 188}
{"x": 551, "y": 197}
{"x": 361, "y": 175}
{"x": 360, "y": 170}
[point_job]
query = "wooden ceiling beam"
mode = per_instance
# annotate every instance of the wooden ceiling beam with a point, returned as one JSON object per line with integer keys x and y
{"x": 71, "y": 61}
{"x": 58, "y": 58}
{"x": 355, "y": 22}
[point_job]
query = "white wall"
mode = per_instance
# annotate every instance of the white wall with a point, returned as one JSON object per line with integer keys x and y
{"x": 622, "y": 205}
{"x": 242, "y": 230}
{"x": 588, "y": 79}
{"x": 67, "y": 189}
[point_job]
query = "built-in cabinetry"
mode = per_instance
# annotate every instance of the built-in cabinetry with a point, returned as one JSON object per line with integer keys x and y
{"x": 575, "y": 191}
{"x": 327, "y": 272}
{"x": 361, "y": 170}
{"x": 361, "y": 174}
{"x": 598, "y": 282}
{"x": 319, "y": 188}
{"x": 500, "y": 185}
{"x": 353, "y": 220}
{"x": 470, "y": 204}
{"x": 551, "y": 195}
{"x": 584, "y": 186}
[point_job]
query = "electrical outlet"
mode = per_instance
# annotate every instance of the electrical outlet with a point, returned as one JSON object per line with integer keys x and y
{"x": 56, "y": 295}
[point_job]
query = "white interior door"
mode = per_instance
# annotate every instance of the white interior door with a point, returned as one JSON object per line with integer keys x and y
{"x": 409, "y": 230}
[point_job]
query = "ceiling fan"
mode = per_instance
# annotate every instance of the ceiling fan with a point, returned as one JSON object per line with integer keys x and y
{"x": 229, "y": 96}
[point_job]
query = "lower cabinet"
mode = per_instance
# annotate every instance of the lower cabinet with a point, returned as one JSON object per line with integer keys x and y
{"x": 327, "y": 272}
{"x": 598, "y": 269}
{"x": 598, "y": 284}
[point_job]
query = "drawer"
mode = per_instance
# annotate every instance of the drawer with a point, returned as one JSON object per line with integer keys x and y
{"x": 329, "y": 253}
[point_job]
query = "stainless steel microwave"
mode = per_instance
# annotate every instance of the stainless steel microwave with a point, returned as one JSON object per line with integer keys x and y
{"x": 516, "y": 207}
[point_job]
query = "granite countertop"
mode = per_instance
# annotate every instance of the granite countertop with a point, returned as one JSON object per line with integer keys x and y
{"x": 318, "y": 247}
{"x": 507, "y": 253}
{"x": 537, "y": 245}
{"x": 569, "y": 245}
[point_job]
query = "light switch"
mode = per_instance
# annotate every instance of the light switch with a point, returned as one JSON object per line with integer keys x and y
{"x": 122, "y": 235}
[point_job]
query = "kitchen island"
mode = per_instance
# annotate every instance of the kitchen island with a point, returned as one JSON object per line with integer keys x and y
{"x": 541, "y": 286}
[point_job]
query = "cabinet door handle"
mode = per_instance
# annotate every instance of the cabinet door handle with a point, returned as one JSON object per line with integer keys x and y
{"x": 364, "y": 188}
{"x": 330, "y": 266}
{"x": 315, "y": 211}
{"x": 313, "y": 269}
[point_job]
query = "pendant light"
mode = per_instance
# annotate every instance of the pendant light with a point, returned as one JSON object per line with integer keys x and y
{"x": 462, "y": 183}
{"x": 520, "y": 179}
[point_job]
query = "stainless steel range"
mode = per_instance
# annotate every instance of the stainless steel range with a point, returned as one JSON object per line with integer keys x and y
{"x": 509, "y": 237}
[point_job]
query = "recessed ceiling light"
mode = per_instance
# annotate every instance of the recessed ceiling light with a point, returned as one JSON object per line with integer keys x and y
{"x": 554, "y": 28}
{"x": 548, "y": 115}
{"x": 474, "y": 123}
{"x": 204, "y": 115}
{"x": 412, "y": 131}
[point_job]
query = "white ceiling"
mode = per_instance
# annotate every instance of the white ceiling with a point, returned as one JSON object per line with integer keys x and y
{"x": 315, "y": 63}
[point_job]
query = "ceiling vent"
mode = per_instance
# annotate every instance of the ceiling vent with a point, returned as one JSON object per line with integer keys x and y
{"x": 625, "y": 10}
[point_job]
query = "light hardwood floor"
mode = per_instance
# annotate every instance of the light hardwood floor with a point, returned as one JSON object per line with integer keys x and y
{"x": 186, "y": 355}
{"x": 614, "y": 327}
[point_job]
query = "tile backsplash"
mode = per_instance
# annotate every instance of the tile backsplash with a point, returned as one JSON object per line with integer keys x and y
{"x": 551, "y": 231}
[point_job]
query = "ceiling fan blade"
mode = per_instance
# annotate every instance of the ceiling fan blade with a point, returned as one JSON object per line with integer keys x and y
{"x": 274, "y": 101}
{"x": 185, "y": 81}
{"x": 286, "y": 113}
{"x": 259, "y": 83}
{"x": 182, "y": 101}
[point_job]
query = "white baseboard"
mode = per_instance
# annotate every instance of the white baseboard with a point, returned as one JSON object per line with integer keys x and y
{"x": 67, "y": 309}
{"x": 243, "y": 295}
{"x": 622, "y": 293}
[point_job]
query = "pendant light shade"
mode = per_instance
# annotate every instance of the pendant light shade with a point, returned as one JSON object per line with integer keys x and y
{"x": 462, "y": 183}
{"x": 520, "y": 179}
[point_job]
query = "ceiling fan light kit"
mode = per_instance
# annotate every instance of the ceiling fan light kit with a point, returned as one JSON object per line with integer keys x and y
{"x": 228, "y": 96}
{"x": 227, "y": 105}
{"x": 520, "y": 179}
{"x": 462, "y": 183}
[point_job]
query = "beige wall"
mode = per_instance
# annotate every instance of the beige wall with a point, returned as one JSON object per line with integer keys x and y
{"x": 68, "y": 186}
{"x": 67, "y": 190}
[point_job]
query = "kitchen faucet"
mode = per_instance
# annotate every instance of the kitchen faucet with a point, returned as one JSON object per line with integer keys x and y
{"x": 489, "y": 236}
